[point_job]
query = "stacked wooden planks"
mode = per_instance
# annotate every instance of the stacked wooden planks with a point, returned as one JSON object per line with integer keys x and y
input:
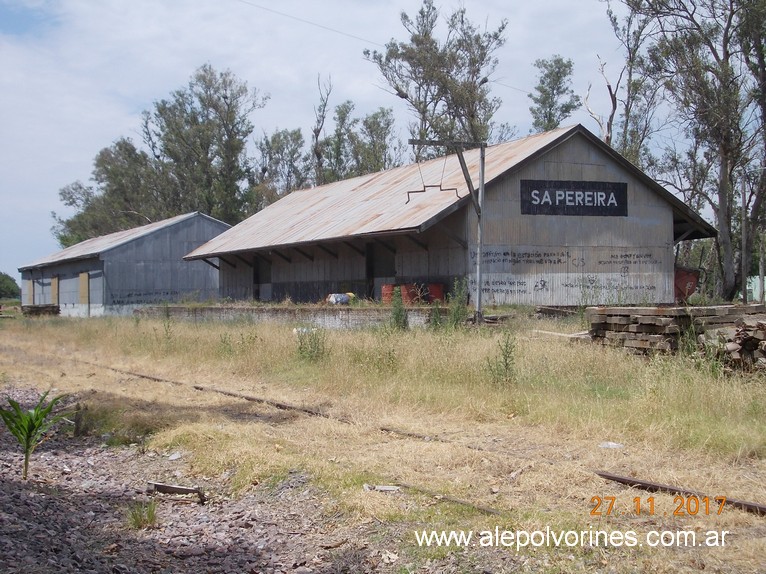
{"x": 743, "y": 345}
{"x": 645, "y": 329}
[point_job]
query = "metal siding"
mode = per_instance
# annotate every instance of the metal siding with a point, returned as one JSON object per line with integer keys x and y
{"x": 28, "y": 296}
{"x": 93, "y": 247}
{"x": 409, "y": 197}
{"x": 306, "y": 280}
{"x": 69, "y": 289}
{"x": 575, "y": 260}
{"x": 42, "y": 290}
{"x": 96, "y": 283}
{"x": 235, "y": 282}
{"x": 151, "y": 269}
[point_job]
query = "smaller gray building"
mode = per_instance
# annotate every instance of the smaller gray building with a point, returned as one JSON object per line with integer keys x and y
{"x": 115, "y": 273}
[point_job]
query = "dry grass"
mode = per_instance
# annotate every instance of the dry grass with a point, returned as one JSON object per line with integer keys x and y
{"x": 526, "y": 446}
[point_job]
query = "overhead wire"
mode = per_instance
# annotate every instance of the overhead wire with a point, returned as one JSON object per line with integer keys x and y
{"x": 346, "y": 34}
{"x": 310, "y": 23}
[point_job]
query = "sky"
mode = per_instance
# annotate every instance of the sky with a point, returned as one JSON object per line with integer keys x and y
{"x": 75, "y": 76}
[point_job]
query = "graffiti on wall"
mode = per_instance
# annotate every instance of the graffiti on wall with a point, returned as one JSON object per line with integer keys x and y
{"x": 511, "y": 258}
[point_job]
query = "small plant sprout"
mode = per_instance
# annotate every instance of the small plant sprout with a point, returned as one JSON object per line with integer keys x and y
{"x": 398, "y": 312}
{"x": 312, "y": 343}
{"x": 29, "y": 427}
{"x": 501, "y": 368}
{"x": 142, "y": 514}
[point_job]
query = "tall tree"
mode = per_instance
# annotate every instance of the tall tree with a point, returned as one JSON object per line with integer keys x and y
{"x": 636, "y": 96}
{"x": 195, "y": 160}
{"x": 126, "y": 194}
{"x": 696, "y": 55}
{"x": 9, "y": 289}
{"x": 358, "y": 146}
{"x": 445, "y": 83}
{"x": 377, "y": 146}
{"x": 284, "y": 165}
{"x": 752, "y": 37}
{"x": 553, "y": 97}
{"x": 199, "y": 136}
{"x": 317, "y": 147}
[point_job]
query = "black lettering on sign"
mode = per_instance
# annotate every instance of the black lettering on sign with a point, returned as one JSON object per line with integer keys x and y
{"x": 550, "y": 197}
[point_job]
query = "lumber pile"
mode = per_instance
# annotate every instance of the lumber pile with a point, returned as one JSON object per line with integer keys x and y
{"x": 743, "y": 345}
{"x": 648, "y": 329}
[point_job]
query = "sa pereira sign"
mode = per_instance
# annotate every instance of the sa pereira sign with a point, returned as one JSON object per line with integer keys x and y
{"x": 551, "y": 197}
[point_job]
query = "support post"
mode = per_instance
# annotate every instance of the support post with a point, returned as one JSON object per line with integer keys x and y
{"x": 744, "y": 241}
{"x": 478, "y": 203}
{"x": 479, "y": 240}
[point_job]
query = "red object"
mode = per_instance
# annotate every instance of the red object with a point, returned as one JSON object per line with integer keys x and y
{"x": 387, "y": 293}
{"x": 686, "y": 281}
{"x": 410, "y": 293}
{"x": 436, "y": 292}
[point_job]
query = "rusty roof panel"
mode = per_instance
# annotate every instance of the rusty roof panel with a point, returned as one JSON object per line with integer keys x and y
{"x": 392, "y": 201}
{"x": 398, "y": 200}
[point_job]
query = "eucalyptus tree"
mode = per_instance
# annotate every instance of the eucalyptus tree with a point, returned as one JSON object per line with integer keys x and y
{"x": 444, "y": 82}
{"x": 696, "y": 54}
{"x": 284, "y": 164}
{"x": 553, "y": 97}
{"x": 124, "y": 193}
{"x": 199, "y": 137}
{"x": 360, "y": 145}
{"x": 635, "y": 113}
{"x": 193, "y": 158}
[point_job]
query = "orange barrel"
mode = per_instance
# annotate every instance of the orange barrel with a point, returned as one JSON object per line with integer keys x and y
{"x": 409, "y": 293}
{"x": 387, "y": 293}
{"x": 436, "y": 292}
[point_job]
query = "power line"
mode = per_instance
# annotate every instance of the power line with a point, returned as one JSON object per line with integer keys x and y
{"x": 310, "y": 23}
{"x": 510, "y": 87}
{"x": 342, "y": 33}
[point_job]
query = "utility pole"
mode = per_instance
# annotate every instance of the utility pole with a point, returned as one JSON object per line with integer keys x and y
{"x": 744, "y": 242}
{"x": 476, "y": 198}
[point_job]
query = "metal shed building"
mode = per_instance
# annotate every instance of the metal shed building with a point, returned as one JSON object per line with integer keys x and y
{"x": 566, "y": 221}
{"x": 115, "y": 273}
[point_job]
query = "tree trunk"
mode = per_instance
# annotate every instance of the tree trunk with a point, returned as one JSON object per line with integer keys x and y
{"x": 725, "y": 248}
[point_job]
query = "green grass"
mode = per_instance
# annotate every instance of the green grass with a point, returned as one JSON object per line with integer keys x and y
{"x": 475, "y": 374}
{"x": 142, "y": 514}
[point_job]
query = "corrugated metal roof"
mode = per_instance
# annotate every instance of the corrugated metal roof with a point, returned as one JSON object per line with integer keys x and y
{"x": 94, "y": 247}
{"x": 389, "y": 202}
{"x": 383, "y": 202}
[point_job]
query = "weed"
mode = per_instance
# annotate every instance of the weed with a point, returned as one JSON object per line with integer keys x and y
{"x": 142, "y": 514}
{"x": 29, "y": 427}
{"x": 457, "y": 301}
{"x": 705, "y": 358}
{"x": 225, "y": 346}
{"x": 312, "y": 344}
{"x": 167, "y": 329}
{"x": 501, "y": 368}
{"x": 435, "y": 320}
{"x": 398, "y": 312}
{"x": 380, "y": 357}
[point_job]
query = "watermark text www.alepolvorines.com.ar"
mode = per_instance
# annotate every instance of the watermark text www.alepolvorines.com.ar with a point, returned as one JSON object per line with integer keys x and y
{"x": 524, "y": 539}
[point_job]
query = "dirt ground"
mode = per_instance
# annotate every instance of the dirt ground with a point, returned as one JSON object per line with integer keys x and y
{"x": 484, "y": 477}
